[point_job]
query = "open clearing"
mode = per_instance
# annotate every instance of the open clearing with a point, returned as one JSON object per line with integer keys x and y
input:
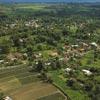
{"x": 30, "y": 6}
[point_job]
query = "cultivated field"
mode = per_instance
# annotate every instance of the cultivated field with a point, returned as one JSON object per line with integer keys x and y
{"x": 20, "y": 84}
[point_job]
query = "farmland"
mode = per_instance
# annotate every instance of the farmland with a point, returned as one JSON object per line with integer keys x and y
{"x": 33, "y": 7}
{"x": 20, "y": 84}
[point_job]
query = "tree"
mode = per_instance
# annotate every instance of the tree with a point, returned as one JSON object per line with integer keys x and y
{"x": 39, "y": 66}
{"x": 29, "y": 52}
{"x": 58, "y": 64}
{"x": 88, "y": 86}
{"x": 70, "y": 82}
{"x": 65, "y": 32}
{"x": 53, "y": 64}
{"x": 43, "y": 75}
{"x": 1, "y": 96}
{"x": 4, "y": 49}
{"x": 46, "y": 77}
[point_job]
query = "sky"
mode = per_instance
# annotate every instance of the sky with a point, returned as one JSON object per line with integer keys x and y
{"x": 50, "y": 0}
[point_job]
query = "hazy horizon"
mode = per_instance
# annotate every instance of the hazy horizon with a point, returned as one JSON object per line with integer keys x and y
{"x": 49, "y": 0}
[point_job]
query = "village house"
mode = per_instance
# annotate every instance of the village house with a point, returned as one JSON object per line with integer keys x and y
{"x": 61, "y": 59}
{"x": 1, "y": 61}
{"x": 68, "y": 70}
{"x": 54, "y": 54}
{"x": 87, "y": 72}
{"x": 32, "y": 23}
{"x": 38, "y": 55}
{"x": 14, "y": 56}
{"x": 74, "y": 46}
{"x": 7, "y": 98}
{"x": 48, "y": 63}
{"x": 94, "y": 44}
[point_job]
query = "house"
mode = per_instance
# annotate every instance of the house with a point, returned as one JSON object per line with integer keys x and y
{"x": 81, "y": 50}
{"x": 94, "y": 44}
{"x": 25, "y": 54}
{"x": 68, "y": 70}
{"x": 14, "y": 56}
{"x": 36, "y": 63}
{"x": 1, "y": 61}
{"x": 75, "y": 46}
{"x": 87, "y": 72}
{"x": 54, "y": 54}
{"x": 38, "y": 55}
{"x": 21, "y": 40}
{"x": 85, "y": 44}
{"x": 7, "y": 98}
{"x": 61, "y": 59}
{"x": 48, "y": 63}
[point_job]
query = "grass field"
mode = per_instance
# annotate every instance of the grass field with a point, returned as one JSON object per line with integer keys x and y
{"x": 33, "y": 7}
{"x": 61, "y": 83}
{"x": 88, "y": 60}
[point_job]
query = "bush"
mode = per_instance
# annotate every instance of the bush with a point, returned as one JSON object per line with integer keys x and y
{"x": 1, "y": 96}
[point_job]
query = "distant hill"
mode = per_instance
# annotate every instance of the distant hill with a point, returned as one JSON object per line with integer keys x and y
{"x": 49, "y": 0}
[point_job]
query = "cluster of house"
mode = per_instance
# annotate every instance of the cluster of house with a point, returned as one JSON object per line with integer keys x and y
{"x": 78, "y": 50}
{"x": 32, "y": 23}
{"x": 82, "y": 46}
{"x": 85, "y": 71}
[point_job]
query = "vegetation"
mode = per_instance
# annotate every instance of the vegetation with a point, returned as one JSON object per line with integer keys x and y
{"x": 50, "y": 46}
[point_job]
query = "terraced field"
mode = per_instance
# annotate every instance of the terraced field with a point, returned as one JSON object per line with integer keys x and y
{"x": 20, "y": 84}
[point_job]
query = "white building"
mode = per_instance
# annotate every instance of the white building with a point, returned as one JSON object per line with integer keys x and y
{"x": 1, "y": 61}
{"x": 94, "y": 44}
{"x": 87, "y": 72}
{"x": 7, "y": 98}
{"x": 68, "y": 70}
{"x": 48, "y": 63}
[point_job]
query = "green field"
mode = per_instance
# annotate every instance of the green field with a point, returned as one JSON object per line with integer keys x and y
{"x": 61, "y": 83}
{"x": 33, "y": 7}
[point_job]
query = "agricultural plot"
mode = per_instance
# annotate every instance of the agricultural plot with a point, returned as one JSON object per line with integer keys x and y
{"x": 33, "y": 91}
{"x": 20, "y": 84}
{"x": 55, "y": 96}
